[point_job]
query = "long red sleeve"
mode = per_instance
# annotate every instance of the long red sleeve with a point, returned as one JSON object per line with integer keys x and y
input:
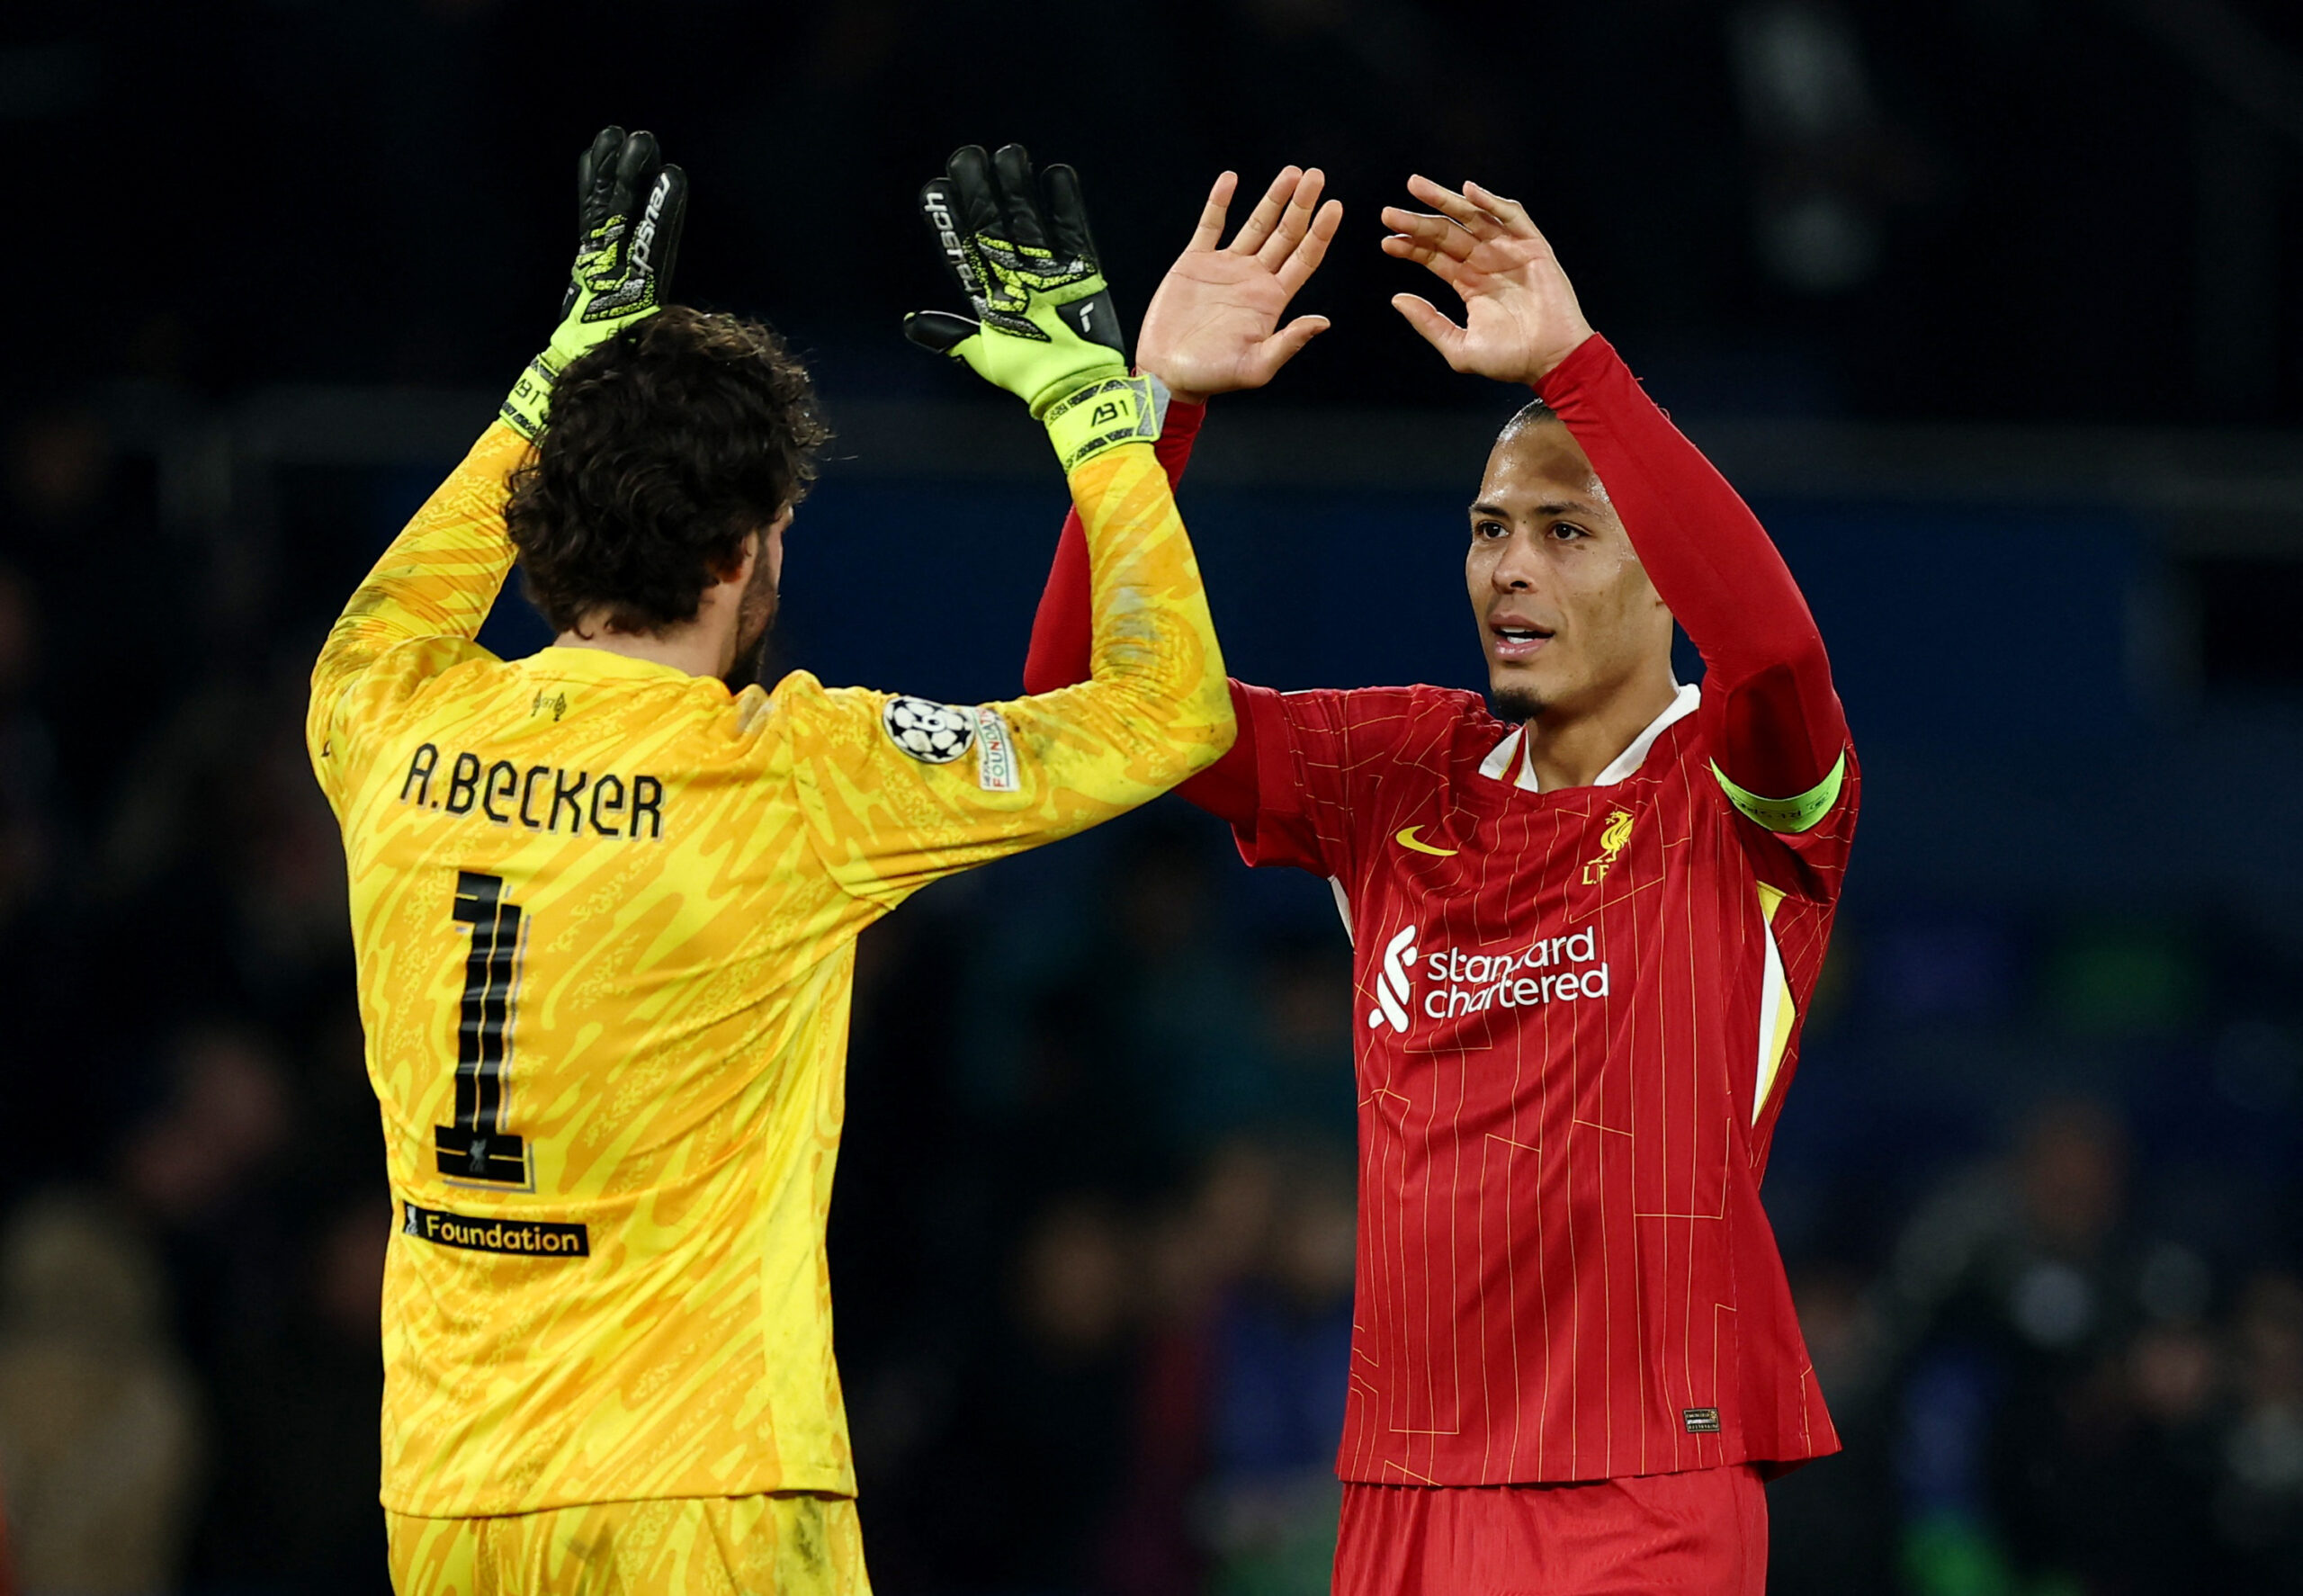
{"x": 1770, "y": 712}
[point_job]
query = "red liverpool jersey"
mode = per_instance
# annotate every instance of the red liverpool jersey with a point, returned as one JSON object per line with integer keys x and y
{"x": 1577, "y": 1012}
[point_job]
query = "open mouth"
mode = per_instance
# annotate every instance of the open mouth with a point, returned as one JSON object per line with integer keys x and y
{"x": 1518, "y": 641}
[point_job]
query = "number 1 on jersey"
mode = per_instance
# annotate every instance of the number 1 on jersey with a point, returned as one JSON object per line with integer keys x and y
{"x": 477, "y": 1149}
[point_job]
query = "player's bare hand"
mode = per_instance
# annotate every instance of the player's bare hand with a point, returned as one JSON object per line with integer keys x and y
{"x": 1520, "y": 316}
{"x": 1213, "y": 326}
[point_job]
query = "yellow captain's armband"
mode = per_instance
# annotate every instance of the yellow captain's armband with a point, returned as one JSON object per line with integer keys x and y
{"x": 1789, "y": 816}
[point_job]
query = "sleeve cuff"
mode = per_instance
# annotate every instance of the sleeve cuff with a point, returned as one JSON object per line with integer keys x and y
{"x": 1178, "y": 431}
{"x": 1182, "y": 421}
{"x": 1588, "y": 359}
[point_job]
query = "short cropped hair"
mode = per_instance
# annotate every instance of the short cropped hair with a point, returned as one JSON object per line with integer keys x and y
{"x": 667, "y": 445}
{"x": 1532, "y": 413}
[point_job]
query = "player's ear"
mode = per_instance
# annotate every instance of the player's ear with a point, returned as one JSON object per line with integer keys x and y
{"x": 739, "y": 569}
{"x": 771, "y": 544}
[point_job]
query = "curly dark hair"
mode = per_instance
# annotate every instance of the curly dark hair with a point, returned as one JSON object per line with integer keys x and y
{"x": 667, "y": 445}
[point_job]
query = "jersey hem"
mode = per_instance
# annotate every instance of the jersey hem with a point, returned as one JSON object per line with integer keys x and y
{"x": 831, "y": 1482}
{"x": 1782, "y": 1462}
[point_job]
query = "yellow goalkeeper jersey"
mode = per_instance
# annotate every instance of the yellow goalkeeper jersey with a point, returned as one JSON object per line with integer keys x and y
{"x": 606, "y": 916}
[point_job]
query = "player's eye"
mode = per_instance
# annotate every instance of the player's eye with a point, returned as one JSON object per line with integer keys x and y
{"x": 1489, "y": 529}
{"x": 1567, "y": 532}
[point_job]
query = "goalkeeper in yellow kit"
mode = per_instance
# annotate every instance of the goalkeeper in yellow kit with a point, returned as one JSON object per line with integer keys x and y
{"x": 605, "y": 909}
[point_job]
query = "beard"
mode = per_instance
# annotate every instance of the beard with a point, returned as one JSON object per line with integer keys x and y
{"x": 755, "y": 620}
{"x": 1518, "y": 705}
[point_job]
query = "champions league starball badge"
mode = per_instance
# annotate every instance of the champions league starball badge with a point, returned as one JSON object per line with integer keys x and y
{"x": 933, "y": 733}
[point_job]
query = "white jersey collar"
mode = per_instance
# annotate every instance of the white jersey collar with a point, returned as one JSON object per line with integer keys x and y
{"x": 1499, "y": 764}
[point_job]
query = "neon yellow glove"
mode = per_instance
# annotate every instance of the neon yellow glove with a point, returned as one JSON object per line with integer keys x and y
{"x": 630, "y": 206}
{"x": 1045, "y": 329}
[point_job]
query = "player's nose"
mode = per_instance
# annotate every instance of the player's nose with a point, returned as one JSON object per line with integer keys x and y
{"x": 1518, "y": 567}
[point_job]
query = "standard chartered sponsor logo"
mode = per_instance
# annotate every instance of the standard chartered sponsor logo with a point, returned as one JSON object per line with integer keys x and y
{"x": 1550, "y": 969}
{"x": 1392, "y": 987}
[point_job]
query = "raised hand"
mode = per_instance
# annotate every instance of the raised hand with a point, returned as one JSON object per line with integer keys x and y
{"x": 1018, "y": 246}
{"x": 1214, "y": 326}
{"x": 628, "y": 208}
{"x": 1520, "y": 318}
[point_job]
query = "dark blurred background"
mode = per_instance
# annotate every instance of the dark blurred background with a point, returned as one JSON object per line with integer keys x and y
{"x": 1994, "y": 308}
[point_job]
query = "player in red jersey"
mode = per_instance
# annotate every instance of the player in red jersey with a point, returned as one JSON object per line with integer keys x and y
{"x": 1587, "y": 914}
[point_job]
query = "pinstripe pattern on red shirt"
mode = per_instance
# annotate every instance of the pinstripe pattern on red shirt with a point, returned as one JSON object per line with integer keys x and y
{"x": 1564, "y": 1270}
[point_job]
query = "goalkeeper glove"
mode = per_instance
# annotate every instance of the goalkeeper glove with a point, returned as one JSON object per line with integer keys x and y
{"x": 1045, "y": 328}
{"x": 628, "y": 208}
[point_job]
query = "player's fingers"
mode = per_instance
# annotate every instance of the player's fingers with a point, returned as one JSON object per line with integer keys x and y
{"x": 1209, "y": 230}
{"x": 939, "y": 330}
{"x": 940, "y": 209}
{"x": 1295, "y": 221}
{"x": 1287, "y": 343}
{"x": 1431, "y": 232}
{"x": 1447, "y": 267}
{"x": 1465, "y": 213}
{"x": 977, "y": 203}
{"x": 595, "y": 177}
{"x": 636, "y": 165}
{"x": 1438, "y": 331}
{"x": 1019, "y": 206}
{"x": 1067, "y": 215}
{"x": 1297, "y": 268}
{"x": 1267, "y": 212}
{"x": 1511, "y": 214}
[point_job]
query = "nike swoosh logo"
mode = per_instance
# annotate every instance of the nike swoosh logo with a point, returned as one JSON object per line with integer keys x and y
{"x": 1405, "y": 838}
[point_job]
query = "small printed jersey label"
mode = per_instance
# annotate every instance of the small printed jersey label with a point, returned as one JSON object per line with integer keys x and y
{"x": 930, "y": 732}
{"x": 995, "y": 753}
{"x": 521, "y": 1238}
{"x": 1701, "y": 1421}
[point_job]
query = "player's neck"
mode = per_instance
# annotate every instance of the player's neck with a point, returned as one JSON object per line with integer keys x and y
{"x": 1571, "y": 750}
{"x": 695, "y": 648}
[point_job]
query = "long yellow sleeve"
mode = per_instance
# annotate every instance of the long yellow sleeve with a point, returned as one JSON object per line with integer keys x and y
{"x": 900, "y": 792}
{"x": 435, "y": 584}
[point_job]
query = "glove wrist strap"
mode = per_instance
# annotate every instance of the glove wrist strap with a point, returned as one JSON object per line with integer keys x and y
{"x": 530, "y": 401}
{"x": 1106, "y": 412}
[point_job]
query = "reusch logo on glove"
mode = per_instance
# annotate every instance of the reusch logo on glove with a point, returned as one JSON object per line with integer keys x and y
{"x": 646, "y": 235}
{"x": 955, "y": 254}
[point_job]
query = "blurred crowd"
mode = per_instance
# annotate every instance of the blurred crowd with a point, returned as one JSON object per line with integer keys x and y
{"x": 194, "y": 1228}
{"x": 1785, "y": 197}
{"x": 1092, "y": 1248}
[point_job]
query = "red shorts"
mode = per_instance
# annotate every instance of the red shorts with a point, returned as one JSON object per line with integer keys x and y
{"x": 1703, "y": 1531}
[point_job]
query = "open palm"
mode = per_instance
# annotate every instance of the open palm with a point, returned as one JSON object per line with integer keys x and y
{"x": 1213, "y": 325}
{"x": 1520, "y": 315}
